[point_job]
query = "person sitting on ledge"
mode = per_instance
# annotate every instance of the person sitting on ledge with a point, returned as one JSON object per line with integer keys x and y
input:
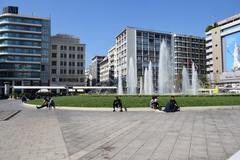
{"x": 154, "y": 104}
{"x": 24, "y": 99}
{"x": 172, "y": 106}
{"x": 117, "y": 103}
{"x": 45, "y": 103}
{"x": 51, "y": 103}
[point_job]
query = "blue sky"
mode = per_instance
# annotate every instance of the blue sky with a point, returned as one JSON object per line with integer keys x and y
{"x": 97, "y": 22}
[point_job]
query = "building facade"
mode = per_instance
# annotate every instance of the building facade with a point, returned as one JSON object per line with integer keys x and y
{"x": 67, "y": 61}
{"x": 143, "y": 46}
{"x": 222, "y": 49}
{"x": 187, "y": 50}
{"x": 94, "y": 70}
{"x": 104, "y": 71}
{"x": 107, "y": 68}
{"x": 24, "y": 48}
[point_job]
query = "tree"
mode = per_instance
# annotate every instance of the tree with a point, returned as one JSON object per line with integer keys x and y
{"x": 208, "y": 28}
{"x": 204, "y": 81}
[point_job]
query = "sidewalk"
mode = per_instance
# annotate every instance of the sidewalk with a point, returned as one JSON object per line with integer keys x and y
{"x": 30, "y": 135}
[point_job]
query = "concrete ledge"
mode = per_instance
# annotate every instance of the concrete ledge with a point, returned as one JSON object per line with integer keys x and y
{"x": 197, "y": 108}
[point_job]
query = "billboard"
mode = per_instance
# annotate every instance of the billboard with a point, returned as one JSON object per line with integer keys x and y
{"x": 231, "y": 52}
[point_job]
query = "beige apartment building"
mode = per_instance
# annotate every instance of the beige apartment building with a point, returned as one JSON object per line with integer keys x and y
{"x": 222, "y": 51}
{"x": 108, "y": 68}
{"x": 67, "y": 61}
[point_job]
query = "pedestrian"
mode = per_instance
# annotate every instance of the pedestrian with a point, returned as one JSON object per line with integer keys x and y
{"x": 45, "y": 102}
{"x": 154, "y": 104}
{"x": 24, "y": 98}
{"x": 117, "y": 103}
{"x": 51, "y": 103}
{"x": 172, "y": 105}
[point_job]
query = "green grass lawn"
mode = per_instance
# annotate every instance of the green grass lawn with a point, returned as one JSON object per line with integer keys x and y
{"x": 140, "y": 101}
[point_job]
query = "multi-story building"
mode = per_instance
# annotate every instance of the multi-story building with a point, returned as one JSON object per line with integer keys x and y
{"x": 107, "y": 68}
{"x": 143, "y": 46}
{"x": 24, "y": 48}
{"x": 94, "y": 70}
{"x": 188, "y": 50}
{"x": 104, "y": 71}
{"x": 222, "y": 49}
{"x": 87, "y": 78}
{"x": 67, "y": 61}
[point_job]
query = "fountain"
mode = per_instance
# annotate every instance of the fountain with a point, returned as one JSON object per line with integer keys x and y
{"x": 165, "y": 81}
{"x": 185, "y": 81}
{"x": 145, "y": 89}
{"x": 120, "y": 88}
{"x": 195, "y": 84}
{"x": 150, "y": 78}
{"x": 141, "y": 85}
{"x": 131, "y": 79}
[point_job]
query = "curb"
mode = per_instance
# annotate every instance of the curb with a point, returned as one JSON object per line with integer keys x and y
{"x": 198, "y": 108}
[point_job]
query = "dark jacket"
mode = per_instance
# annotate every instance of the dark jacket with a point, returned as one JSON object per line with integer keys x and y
{"x": 117, "y": 103}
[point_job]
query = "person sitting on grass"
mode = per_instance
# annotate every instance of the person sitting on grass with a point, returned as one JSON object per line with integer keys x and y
{"x": 117, "y": 103}
{"x": 172, "y": 105}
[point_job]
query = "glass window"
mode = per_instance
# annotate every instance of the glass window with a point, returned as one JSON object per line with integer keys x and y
{"x": 54, "y": 63}
{"x": 53, "y": 71}
{"x": 54, "y": 47}
{"x": 54, "y": 55}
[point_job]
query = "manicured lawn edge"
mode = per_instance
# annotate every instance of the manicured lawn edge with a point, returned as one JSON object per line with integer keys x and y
{"x": 105, "y": 101}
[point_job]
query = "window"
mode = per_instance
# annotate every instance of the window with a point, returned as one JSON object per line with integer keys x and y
{"x": 73, "y": 56}
{"x": 81, "y": 48}
{"x": 78, "y": 64}
{"x": 78, "y": 56}
{"x": 73, "y": 63}
{"x": 54, "y": 63}
{"x": 53, "y": 71}
{"x": 81, "y": 71}
{"x": 61, "y": 55}
{"x": 81, "y": 64}
{"x": 78, "y": 48}
{"x": 65, "y": 48}
{"x": 53, "y": 79}
{"x": 69, "y": 63}
{"x": 42, "y": 68}
{"x": 61, "y": 63}
{"x": 70, "y": 56}
{"x": 65, "y": 55}
{"x": 70, "y": 71}
{"x": 54, "y": 47}
{"x": 70, "y": 48}
{"x": 73, "y": 48}
{"x": 54, "y": 55}
{"x": 65, "y": 63}
{"x": 61, "y": 47}
{"x": 61, "y": 71}
{"x": 81, "y": 56}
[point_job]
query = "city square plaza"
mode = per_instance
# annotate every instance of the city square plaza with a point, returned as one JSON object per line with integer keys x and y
{"x": 61, "y": 134}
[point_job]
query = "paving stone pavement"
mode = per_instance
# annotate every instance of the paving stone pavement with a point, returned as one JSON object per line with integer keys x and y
{"x": 30, "y": 135}
{"x": 93, "y": 135}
